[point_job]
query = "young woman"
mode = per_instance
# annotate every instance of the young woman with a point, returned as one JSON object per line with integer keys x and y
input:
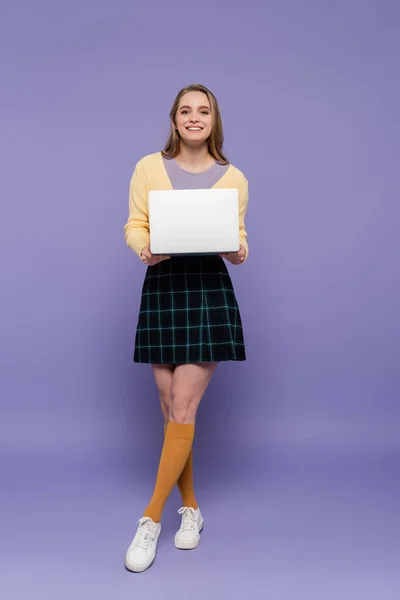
{"x": 189, "y": 319}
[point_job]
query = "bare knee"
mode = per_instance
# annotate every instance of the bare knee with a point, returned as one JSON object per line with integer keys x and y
{"x": 165, "y": 402}
{"x": 181, "y": 408}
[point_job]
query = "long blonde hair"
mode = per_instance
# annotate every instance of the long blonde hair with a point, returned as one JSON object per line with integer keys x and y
{"x": 216, "y": 139}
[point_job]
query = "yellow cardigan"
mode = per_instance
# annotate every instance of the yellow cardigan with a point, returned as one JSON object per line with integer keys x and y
{"x": 150, "y": 174}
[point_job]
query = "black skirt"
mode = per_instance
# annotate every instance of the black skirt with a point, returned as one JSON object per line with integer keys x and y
{"x": 188, "y": 313}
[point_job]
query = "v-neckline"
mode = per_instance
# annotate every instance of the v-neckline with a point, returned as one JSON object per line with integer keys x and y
{"x": 169, "y": 181}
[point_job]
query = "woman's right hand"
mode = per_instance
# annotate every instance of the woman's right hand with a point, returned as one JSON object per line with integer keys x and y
{"x": 149, "y": 259}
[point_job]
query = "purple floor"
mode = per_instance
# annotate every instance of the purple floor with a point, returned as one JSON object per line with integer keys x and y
{"x": 317, "y": 531}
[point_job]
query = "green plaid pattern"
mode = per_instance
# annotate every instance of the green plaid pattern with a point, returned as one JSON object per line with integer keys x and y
{"x": 188, "y": 313}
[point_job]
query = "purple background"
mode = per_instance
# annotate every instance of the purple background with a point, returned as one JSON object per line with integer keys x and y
{"x": 297, "y": 450}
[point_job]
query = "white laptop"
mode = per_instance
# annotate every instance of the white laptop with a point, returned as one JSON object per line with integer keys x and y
{"x": 194, "y": 221}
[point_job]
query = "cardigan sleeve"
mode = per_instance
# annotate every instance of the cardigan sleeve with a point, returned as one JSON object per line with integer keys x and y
{"x": 137, "y": 229}
{"x": 243, "y": 190}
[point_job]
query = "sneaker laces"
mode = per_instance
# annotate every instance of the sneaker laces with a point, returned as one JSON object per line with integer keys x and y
{"x": 145, "y": 533}
{"x": 188, "y": 518}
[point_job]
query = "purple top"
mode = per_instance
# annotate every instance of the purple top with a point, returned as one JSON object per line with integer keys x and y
{"x": 183, "y": 180}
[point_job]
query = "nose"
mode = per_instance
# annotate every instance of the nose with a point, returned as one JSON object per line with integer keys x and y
{"x": 193, "y": 120}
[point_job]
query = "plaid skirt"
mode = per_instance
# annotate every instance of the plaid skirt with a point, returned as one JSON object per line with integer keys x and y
{"x": 188, "y": 313}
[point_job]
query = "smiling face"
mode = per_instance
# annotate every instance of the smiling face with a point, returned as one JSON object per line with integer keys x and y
{"x": 194, "y": 119}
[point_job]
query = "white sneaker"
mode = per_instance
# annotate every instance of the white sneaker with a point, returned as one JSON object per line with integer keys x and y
{"x": 142, "y": 549}
{"x": 188, "y": 535}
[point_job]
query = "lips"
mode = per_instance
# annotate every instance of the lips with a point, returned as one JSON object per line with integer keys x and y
{"x": 194, "y": 128}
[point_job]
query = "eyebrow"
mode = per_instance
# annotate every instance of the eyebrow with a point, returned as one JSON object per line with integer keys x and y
{"x": 207, "y": 107}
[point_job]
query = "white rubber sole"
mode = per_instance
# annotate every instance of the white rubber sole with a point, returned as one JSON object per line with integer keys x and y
{"x": 137, "y": 569}
{"x": 188, "y": 545}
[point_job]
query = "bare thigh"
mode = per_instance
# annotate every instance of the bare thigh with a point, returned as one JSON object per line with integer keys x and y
{"x": 189, "y": 383}
{"x": 163, "y": 375}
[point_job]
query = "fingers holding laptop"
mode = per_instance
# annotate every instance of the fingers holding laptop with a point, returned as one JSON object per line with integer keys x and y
{"x": 149, "y": 259}
{"x": 235, "y": 258}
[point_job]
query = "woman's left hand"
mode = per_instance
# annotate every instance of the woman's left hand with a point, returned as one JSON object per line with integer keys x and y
{"x": 235, "y": 258}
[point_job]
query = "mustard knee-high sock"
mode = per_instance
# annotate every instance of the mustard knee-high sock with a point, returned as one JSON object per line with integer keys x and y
{"x": 176, "y": 449}
{"x": 185, "y": 481}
